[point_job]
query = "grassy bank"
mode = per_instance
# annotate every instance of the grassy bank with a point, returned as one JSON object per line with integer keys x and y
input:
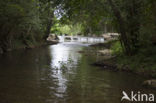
{"x": 143, "y": 62}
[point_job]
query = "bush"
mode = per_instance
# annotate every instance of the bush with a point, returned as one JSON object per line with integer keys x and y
{"x": 116, "y": 48}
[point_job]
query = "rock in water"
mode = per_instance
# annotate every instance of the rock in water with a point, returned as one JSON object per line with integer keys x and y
{"x": 150, "y": 83}
{"x": 111, "y": 36}
{"x": 52, "y": 39}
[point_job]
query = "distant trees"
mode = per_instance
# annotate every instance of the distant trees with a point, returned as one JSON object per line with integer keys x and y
{"x": 67, "y": 29}
{"x": 131, "y": 18}
{"x": 29, "y": 21}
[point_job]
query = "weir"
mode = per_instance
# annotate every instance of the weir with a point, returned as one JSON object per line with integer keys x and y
{"x": 81, "y": 39}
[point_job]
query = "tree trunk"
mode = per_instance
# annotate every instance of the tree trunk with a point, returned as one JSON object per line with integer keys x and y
{"x": 48, "y": 28}
{"x": 124, "y": 37}
{"x": 49, "y": 22}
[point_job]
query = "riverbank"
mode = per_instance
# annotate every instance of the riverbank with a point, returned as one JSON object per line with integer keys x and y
{"x": 29, "y": 45}
{"x": 142, "y": 63}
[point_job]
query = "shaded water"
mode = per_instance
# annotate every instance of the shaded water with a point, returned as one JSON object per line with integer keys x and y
{"x": 60, "y": 74}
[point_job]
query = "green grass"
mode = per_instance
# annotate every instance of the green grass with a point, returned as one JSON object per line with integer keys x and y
{"x": 143, "y": 61}
{"x": 116, "y": 48}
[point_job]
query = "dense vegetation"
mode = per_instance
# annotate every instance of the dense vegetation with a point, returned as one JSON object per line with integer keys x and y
{"x": 29, "y": 22}
{"x": 25, "y": 23}
{"x": 133, "y": 19}
{"x": 143, "y": 62}
{"x": 68, "y": 29}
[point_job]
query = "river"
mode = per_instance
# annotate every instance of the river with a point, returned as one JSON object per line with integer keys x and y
{"x": 60, "y": 74}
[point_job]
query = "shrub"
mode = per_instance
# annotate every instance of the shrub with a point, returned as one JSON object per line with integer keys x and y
{"x": 116, "y": 48}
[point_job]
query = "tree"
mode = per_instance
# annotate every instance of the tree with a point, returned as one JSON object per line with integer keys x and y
{"x": 25, "y": 22}
{"x": 127, "y": 15}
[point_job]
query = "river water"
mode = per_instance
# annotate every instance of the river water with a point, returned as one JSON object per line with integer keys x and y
{"x": 60, "y": 74}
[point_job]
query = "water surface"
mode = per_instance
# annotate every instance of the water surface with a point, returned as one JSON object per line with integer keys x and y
{"x": 60, "y": 74}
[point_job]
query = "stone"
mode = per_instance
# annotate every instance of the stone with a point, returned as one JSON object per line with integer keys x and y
{"x": 110, "y": 36}
{"x": 150, "y": 83}
{"x": 52, "y": 37}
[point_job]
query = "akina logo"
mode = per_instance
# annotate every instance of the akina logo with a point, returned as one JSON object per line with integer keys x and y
{"x": 138, "y": 97}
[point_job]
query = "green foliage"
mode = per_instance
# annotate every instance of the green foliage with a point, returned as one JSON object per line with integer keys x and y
{"x": 116, "y": 48}
{"x": 33, "y": 20}
{"x": 93, "y": 15}
{"x": 133, "y": 19}
{"x": 147, "y": 30}
{"x": 143, "y": 61}
{"x": 26, "y": 22}
{"x": 67, "y": 29}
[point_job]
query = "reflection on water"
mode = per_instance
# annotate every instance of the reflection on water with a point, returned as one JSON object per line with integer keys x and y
{"x": 64, "y": 58}
{"x": 63, "y": 53}
{"x": 59, "y": 74}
